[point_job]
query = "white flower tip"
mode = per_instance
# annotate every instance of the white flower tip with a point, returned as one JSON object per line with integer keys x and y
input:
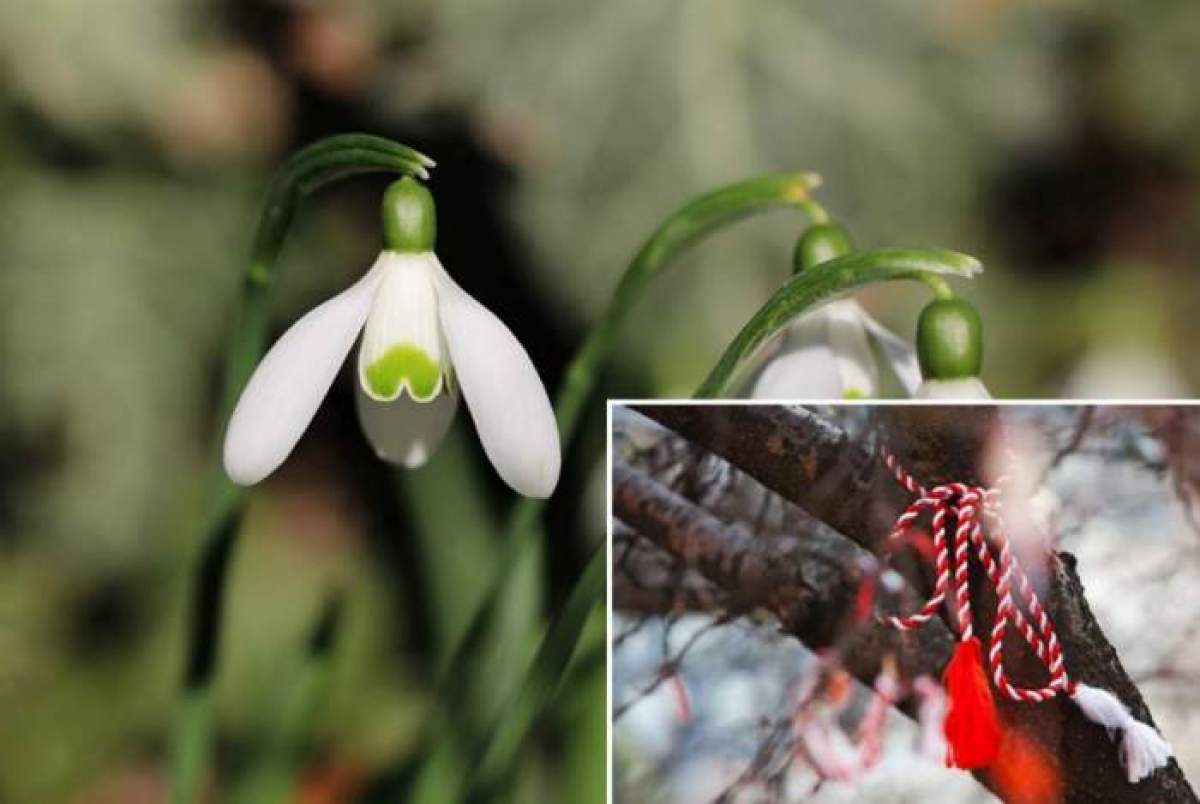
{"x": 542, "y": 478}
{"x": 409, "y": 456}
{"x": 416, "y": 457}
{"x": 527, "y": 458}
{"x": 964, "y": 388}
{"x": 245, "y": 467}
{"x": 533, "y": 469}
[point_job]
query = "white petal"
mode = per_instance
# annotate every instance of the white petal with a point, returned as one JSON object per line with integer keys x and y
{"x": 402, "y": 344}
{"x": 852, "y": 350}
{"x": 900, "y": 354}
{"x": 503, "y": 391}
{"x": 289, "y": 383}
{"x": 404, "y": 431}
{"x": 804, "y": 368}
{"x": 965, "y": 388}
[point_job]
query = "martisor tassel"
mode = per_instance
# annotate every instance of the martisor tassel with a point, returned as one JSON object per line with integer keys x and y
{"x": 1142, "y": 748}
{"x": 971, "y": 727}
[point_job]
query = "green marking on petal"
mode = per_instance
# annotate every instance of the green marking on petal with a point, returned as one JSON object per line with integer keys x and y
{"x": 854, "y": 393}
{"x": 404, "y": 365}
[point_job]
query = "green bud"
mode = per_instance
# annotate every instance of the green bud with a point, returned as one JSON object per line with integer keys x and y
{"x": 409, "y": 217}
{"x": 949, "y": 340}
{"x": 820, "y": 243}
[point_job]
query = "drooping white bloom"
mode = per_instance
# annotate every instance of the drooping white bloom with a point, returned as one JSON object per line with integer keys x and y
{"x": 424, "y": 340}
{"x": 826, "y": 354}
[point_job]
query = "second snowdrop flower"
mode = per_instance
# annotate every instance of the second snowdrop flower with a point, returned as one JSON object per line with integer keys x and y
{"x": 827, "y": 354}
{"x": 424, "y": 339}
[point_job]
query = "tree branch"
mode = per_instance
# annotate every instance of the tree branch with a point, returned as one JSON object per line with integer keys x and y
{"x": 809, "y": 584}
{"x": 799, "y": 456}
{"x": 648, "y": 581}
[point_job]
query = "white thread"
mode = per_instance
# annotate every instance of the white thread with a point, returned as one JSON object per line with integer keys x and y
{"x": 1142, "y": 748}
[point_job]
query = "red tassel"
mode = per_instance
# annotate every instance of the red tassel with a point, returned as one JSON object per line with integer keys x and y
{"x": 972, "y": 729}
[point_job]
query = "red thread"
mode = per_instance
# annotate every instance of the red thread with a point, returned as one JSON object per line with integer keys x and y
{"x": 683, "y": 701}
{"x": 864, "y": 601}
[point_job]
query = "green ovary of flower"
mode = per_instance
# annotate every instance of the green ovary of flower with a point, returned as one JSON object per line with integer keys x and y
{"x": 404, "y": 365}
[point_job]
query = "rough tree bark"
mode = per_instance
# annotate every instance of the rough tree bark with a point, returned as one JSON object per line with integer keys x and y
{"x": 810, "y": 584}
{"x": 815, "y": 465}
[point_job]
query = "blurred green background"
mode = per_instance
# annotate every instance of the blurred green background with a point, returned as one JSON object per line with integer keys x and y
{"x": 1056, "y": 141}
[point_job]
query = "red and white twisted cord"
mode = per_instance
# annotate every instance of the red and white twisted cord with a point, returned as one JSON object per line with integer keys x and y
{"x": 1141, "y": 748}
{"x": 970, "y": 505}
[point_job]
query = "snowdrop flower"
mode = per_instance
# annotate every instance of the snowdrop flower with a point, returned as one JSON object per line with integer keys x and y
{"x": 424, "y": 339}
{"x": 950, "y": 350}
{"x": 826, "y": 354}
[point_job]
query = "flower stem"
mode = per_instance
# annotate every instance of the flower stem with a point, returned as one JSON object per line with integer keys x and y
{"x": 524, "y": 537}
{"x": 815, "y": 212}
{"x": 682, "y": 229}
{"x": 309, "y": 169}
{"x": 940, "y": 287}
{"x": 828, "y": 281}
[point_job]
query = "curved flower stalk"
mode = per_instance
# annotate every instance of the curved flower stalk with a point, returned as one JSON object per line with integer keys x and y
{"x": 826, "y": 353}
{"x": 308, "y": 170}
{"x": 828, "y": 282}
{"x": 424, "y": 340}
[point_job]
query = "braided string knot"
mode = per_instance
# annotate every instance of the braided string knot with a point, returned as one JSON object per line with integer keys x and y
{"x": 970, "y": 507}
{"x": 1140, "y": 747}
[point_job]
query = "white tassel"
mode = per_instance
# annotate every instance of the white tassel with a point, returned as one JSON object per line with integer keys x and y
{"x": 1142, "y": 748}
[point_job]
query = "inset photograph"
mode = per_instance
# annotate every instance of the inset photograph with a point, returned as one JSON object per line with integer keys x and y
{"x": 884, "y": 603}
